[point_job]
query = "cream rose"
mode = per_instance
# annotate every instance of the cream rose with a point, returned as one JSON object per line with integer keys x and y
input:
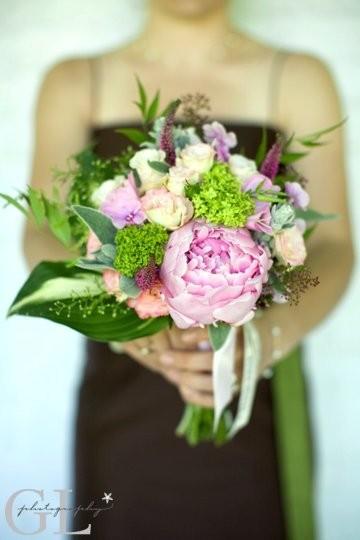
{"x": 197, "y": 157}
{"x": 167, "y": 209}
{"x": 289, "y": 246}
{"x": 178, "y": 177}
{"x": 241, "y": 166}
{"x": 100, "y": 194}
{"x": 150, "y": 178}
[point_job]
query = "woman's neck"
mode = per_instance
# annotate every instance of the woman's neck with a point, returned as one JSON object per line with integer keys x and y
{"x": 191, "y": 41}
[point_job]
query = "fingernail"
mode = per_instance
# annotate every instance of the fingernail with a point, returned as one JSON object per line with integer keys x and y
{"x": 204, "y": 345}
{"x": 166, "y": 359}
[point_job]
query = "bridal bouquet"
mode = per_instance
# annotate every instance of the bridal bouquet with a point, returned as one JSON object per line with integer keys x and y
{"x": 178, "y": 229}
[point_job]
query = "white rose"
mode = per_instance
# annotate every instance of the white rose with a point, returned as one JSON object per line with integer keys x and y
{"x": 178, "y": 177}
{"x": 167, "y": 209}
{"x": 99, "y": 195}
{"x": 198, "y": 157}
{"x": 150, "y": 178}
{"x": 241, "y": 166}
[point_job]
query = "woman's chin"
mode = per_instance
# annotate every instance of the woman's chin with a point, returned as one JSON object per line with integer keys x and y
{"x": 190, "y": 8}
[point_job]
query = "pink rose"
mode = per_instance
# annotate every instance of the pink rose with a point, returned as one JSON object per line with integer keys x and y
{"x": 289, "y": 246}
{"x": 111, "y": 280}
{"x": 93, "y": 244}
{"x": 150, "y": 303}
{"x": 212, "y": 274}
{"x": 167, "y": 209}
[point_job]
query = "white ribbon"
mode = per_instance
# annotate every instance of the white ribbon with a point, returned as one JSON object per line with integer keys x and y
{"x": 224, "y": 376}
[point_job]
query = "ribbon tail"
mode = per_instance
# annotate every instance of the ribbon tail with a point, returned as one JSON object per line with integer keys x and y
{"x": 223, "y": 375}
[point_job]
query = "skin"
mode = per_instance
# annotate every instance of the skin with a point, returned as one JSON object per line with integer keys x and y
{"x": 233, "y": 69}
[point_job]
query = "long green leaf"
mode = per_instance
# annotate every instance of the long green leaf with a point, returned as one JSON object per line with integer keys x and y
{"x": 100, "y": 224}
{"x": 291, "y": 157}
{"x": 314, "y": 215}
{"x": 153, "y": 108}
{"x": 134, "y": 135}
{"x": 14, "y": 202}
{"x": 37, "y": 206}
{"x": 59, "y": 223}
{"x": 261, "y": 151}
{"x": 87, "y": 314}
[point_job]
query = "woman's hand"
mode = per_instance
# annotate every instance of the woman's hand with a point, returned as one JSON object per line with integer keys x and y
{"x": 183, "y": 357}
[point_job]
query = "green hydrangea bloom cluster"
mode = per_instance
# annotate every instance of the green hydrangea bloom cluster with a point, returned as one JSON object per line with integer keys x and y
{"x": 218, "y": 198}
{"x": 137, "y": 245}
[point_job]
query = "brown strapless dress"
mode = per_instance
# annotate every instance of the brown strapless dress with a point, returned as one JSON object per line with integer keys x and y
{"x": 162, "y": 488}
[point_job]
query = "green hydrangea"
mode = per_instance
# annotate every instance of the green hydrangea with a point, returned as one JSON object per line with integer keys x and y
{"x": 137, "y": 245}
{"x": 219, "y": 200}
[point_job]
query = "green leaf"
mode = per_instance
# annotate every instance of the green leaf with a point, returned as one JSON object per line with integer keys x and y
{"x": 14, "y": 202}
{"x": 142, "y": 104}
{"x": 218, "y": 335}
{"x": 100, "y": 224}
{"x": 314, "y": 215}
{"x": 261, "y": 151}
{"x": 172, "y": 106}
{"x": 159, "y": 166}
{"x": 89, "y": 315}
{"x": 91, "y": 264}
{"x": 313, "y": 139}
{"x": 135, "y": 135}
{"x": 309, "y": 232}
{"x": 291, "y": 157}
{"x": 136, "y": 178}
{"x": 153, "y": 108}
{"x": 129, "y": 287}
{"x": 51, "y": 281}
{"x": 37, "y": 206}
{"x": 59, "y": 223}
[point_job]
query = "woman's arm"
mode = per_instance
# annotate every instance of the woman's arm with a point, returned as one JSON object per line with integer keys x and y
{"x": 308, "y": 102}
{"x": 62, "y": 120}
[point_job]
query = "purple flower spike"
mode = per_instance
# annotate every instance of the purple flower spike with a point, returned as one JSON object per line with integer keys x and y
{"x": 166, "y": 136}
{"x": 145, "y": 278}
{"x": 270, "y": 165}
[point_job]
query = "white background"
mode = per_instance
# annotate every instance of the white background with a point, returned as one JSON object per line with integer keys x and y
{"x": 41, "y": 363}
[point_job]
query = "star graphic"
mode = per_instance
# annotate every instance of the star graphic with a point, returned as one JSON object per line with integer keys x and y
{"x": 107, "y": 497}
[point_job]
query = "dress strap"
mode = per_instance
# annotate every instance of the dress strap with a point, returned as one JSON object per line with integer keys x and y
{"x": 276, "y": 68}
{"x": 95, "y": 85}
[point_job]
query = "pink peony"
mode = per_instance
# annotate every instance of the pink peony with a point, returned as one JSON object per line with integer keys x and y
{"x": 289, "y": 246}
{"x": 212, "y": 274}
{"x": 150, "y": 303}
{"x": 122, "y": 205}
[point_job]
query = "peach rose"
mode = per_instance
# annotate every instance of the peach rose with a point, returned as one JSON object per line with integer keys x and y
{"x": 289, "y": 246}
{"x": 150, "y": 303}
{"x": 111, "y": 280}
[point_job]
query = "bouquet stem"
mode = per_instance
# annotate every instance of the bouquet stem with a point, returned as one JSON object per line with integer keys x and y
{"x": 197, "y": 425}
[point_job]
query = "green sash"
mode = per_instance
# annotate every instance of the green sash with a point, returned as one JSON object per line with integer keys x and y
{"x": 294, "y": 447}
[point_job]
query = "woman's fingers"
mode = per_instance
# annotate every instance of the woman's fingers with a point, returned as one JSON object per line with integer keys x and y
{"x": 195, "y": 397}
{"x": 191, "y": 361}
{"x": 195, "y": 381}
{"x": 193, "y": 339}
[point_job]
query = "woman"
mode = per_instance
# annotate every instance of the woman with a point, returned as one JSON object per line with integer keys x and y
{"x": 258, "y": 486}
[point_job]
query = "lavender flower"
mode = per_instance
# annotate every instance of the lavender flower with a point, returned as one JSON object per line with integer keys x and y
{"x": 297, "y": 195}
{"x": 270, "y": 165}
{"x": 222, "y": 140}
{"x": 166, "y": 135}
{"x": 123, "y": 206}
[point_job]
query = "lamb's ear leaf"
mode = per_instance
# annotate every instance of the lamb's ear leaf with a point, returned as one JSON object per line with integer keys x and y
{"x": 100, "y": 224}
{"x": 74, "y": 298}
{"x": 129, "y": 287}
{"x": 218, "y": 335}
{"x": 159, "y": 166}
